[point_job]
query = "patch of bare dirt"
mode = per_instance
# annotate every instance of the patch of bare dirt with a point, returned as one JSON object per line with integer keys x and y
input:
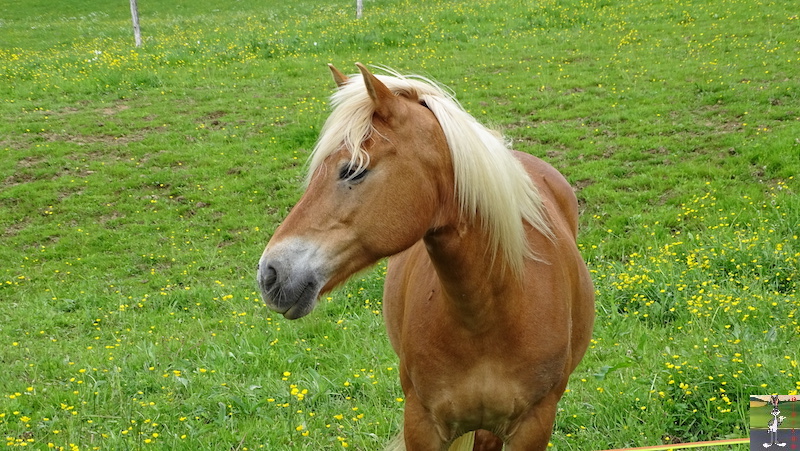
{"x": 112, "y": 110}
{"x": 82, "y": 140}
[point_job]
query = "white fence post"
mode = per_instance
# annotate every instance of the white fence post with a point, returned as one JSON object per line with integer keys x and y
{"x": 137, "y": 34}
{"x": 359, "y": 7}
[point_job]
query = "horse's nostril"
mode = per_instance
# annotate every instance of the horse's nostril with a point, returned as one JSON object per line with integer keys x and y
{"x": 270, "y": 276}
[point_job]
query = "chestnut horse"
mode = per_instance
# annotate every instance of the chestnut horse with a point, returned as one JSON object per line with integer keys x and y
{"x": 487, "y": 301}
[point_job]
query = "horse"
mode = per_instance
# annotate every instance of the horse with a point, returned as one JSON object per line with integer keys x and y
{"x": 487, "y": 301}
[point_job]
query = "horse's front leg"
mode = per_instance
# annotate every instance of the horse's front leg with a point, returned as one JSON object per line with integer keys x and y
{"x": 419, "y": 430}
{"x": 534, "y": 430}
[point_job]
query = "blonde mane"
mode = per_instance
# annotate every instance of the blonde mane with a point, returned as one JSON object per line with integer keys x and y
{"x": 490, "y": 183}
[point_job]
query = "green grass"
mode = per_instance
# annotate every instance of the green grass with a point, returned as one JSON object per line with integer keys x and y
{"x": 138, "y": 188}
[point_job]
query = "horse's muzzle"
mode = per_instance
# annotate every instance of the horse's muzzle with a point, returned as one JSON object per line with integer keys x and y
{"x": 290, "y": 283}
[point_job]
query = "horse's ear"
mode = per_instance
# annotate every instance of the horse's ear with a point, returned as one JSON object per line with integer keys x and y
{"x": 381, "y": 96}
{"x": 338, "y": 77}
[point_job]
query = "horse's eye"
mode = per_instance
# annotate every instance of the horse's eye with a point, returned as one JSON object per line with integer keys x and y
{"x": 352, "y": 174}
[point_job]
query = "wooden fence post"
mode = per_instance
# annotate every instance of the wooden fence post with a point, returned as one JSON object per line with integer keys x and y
{"x": 359, "y": 7}
{"x": 135, "y": 15}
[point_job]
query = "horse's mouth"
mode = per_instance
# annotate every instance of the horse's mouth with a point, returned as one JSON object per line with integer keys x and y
{"x": 304, "y": 301}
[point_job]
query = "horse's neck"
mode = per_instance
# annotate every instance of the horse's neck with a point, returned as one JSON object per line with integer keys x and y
{"x": 473, "y": 280}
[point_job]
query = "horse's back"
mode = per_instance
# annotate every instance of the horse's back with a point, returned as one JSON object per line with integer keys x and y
{"x": 554, "y": 187}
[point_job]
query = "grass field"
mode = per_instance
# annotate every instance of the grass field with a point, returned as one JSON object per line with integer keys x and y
{"x": 138, "y": 187}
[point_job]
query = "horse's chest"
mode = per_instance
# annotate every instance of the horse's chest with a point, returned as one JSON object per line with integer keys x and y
{"x": 487, "y": 393}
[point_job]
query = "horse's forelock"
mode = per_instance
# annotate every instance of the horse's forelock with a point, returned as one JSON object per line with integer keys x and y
{"x": 350, "y": 122}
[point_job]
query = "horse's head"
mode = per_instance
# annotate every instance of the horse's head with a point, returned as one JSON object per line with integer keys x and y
{"x": 374, "y": 181}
